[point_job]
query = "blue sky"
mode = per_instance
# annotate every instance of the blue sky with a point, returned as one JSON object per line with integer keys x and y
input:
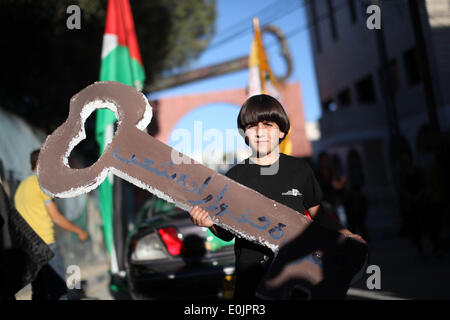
{"x": 236, "y": 15}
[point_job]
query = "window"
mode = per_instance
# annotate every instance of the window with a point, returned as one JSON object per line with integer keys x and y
{"x": 315, "y": 19}
{"x": 352, "y": 8}
{"x": 411, "y": 66}
{"x": 329, "y": 105}
{"x": 344, "y": 98}
{"x": 365, "y": 90}
{"x": 392, "y": 73}
{"x": 332, "y": 20}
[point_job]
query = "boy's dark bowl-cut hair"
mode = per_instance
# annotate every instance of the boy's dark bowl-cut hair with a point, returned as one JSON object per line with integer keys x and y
{"x": 263, "y": 107}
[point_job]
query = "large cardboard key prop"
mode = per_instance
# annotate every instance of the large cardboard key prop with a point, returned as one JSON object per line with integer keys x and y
{"x": 150, "y": 164}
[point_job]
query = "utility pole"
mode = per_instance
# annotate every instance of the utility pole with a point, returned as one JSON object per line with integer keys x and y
{"x": 424, "y": 64}
{"x": 387, "y": 95}
{"x": 385, "y": 83}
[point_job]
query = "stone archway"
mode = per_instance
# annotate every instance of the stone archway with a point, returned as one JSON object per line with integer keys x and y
{"x": 170, "y": 110}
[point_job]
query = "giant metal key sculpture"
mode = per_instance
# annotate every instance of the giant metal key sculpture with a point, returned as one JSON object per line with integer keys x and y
{"x": 307, "y": 256}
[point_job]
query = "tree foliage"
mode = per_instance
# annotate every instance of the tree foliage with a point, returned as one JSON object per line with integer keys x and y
{"x": 44, "y": 63}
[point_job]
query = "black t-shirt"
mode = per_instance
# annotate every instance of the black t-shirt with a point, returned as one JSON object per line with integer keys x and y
{"x": 289, "y": 181}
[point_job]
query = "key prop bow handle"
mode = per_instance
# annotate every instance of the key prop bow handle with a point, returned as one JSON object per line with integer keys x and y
{"x": 55, "y": 176}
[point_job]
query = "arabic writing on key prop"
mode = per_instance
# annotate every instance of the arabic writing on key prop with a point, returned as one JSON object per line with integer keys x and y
{"x": 275, "y": 232}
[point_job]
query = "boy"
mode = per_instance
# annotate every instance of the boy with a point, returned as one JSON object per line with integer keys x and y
{"x": 280, "y": 177}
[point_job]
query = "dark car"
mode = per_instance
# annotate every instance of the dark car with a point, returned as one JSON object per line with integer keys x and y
{"x": 168, "y": 257}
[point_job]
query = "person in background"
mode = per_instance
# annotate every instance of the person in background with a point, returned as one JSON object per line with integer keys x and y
{"x": 356, "y": 208}
{"x": 41, "y": 213}
{"x": 22, "y": 252}
{"x": 332, "y": 185}
{"x": 414, "y": 201}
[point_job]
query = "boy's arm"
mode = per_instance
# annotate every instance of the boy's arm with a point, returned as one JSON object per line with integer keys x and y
{"x": 327, "y": 221}
{"x": 62, "y": 221}
{"x": 200, "y": 217}
{"x": 221, "y": 233}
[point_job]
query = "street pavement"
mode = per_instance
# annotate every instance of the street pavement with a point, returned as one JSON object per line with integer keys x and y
{"x": 405, "y": 274}
{"x": 95, "y": 278}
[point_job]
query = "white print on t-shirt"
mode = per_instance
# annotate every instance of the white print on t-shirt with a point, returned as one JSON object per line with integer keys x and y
{"x": 293, "y": 192}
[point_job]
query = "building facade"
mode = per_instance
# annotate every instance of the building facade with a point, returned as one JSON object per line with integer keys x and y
{"x": 357, "y": 101}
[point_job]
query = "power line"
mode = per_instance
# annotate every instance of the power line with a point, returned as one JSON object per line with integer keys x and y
{"x": 310, "y": 25}
{"x": 239, "y": 24}
{"x": 289, "y": 34}
{"x": 245, "y": 30}
{"x": 281, "y": 13}
{"x": 319, "y": 18}
{"x": 242, "y": 25}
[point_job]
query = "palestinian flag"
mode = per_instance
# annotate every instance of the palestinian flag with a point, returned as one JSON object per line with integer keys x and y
{"x": 122, "y": 62}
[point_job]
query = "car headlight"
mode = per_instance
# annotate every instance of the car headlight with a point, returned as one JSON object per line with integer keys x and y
{"x": 149, "y": 247}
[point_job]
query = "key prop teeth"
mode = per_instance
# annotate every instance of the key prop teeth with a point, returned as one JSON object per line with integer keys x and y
{"x": 55, "y": 176}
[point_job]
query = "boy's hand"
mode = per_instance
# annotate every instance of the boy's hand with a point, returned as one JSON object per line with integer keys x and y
{"x": 355, "y": 236}
{"x": 200, "y": 217}
{"x": 82, "y": 235}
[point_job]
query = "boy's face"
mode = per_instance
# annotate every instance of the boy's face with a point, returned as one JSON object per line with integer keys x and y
{"x": 263, "y": 137}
